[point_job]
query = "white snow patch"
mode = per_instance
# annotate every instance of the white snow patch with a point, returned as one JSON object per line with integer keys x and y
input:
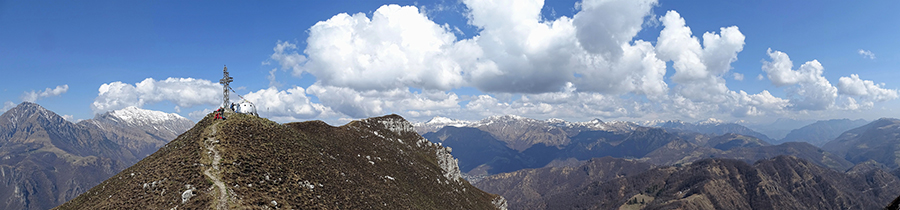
{"x": 141, "y": 117}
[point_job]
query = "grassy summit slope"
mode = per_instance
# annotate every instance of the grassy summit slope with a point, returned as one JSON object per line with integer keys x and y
{"x": 375, "y": 163}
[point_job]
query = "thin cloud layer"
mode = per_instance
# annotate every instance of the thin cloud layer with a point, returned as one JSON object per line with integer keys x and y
{"x": 866, "y": 54}
{"x": 32, "y": 96}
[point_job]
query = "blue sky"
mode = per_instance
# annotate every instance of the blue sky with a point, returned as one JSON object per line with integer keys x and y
{"x": 77, "y": 47}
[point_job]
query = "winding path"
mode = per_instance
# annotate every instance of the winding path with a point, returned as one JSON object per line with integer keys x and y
{"x": 222, "y": 201}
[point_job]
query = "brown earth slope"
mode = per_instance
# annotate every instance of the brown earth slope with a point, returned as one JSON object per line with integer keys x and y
{"x": 878, "y": 141}
{"x": 523, "y": 186}
{"x": 247, "y": 162}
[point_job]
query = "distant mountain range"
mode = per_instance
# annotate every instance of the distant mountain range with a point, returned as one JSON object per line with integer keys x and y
{"x": 46, "y": 160}
{"x": 520, "y": 133}
{"x": 782, "y": 182}
{"x": 822, "y": 131}
{"x": 704, "y": 165}
{"x": 780, "y": 128}
{"x": 247, "y": 162}
{"x": 710, "y": 126}
{"x": 508, "y": 143}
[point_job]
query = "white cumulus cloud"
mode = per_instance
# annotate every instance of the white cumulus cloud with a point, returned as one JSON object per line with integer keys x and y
{"x": 398, "y": 47}
{"x": 397, "y": 60}
{"x": 32, "y": 96}
{"x": 526, "y": 54}
{"x": 865, "y": 90}
{"x": 183, "y": 92}
{"x": 812, "y": 90}
{"x": 698, "y": 68}
{"x": 360, "y": 104}
{"x": 285, "y": 105}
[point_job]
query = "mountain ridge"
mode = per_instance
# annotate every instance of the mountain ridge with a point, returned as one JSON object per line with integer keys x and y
{"x": 822, "y": 131}
{"x": 47, "y": 160}
{"x": 877, "y": 140}
{"x": 374, "y": 163}
{"x": 783, "y": 182}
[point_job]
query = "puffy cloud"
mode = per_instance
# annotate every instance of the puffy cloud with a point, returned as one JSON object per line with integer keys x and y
{"x": 698, "y": 69}
{"x": 360, "y": 104}
{"x": 183, "y": 92}
{"x": 604, "y": 25}
{"x": 285, "y": 105}
{"x": 866, "y": 54}
{"x": 397, "y": 60}
{"x": 758, "y": 104}
{"x": 524, "y": 54}
{"x": 515, "y": 51}
{"x": 531, "y": 55}
{"x": 287, "y": 56}
{"x": 866, "y": 90}
{"x": 779, "y": 69}
{"x": 637, "y": 71}
{"x": 281, "y": 105}
{"x": 738, "y": 76}
{"x": 398, "y": 47}
{"x": 31, "y": 96}
{"x": 813, "y": 92}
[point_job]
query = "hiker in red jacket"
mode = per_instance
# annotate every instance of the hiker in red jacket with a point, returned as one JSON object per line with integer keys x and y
{"x": 220, "y": 114}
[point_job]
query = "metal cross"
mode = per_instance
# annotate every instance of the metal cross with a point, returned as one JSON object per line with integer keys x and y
{"x": 224, "y": 81}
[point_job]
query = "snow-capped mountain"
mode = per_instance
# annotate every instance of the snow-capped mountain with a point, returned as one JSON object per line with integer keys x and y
{"x": 137, "y": 117}
{"x": 439, "y": 122}
{"x": 140, "y": 130}
{"x": 708, "y": 126}
{"x": 595, "y": 124}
